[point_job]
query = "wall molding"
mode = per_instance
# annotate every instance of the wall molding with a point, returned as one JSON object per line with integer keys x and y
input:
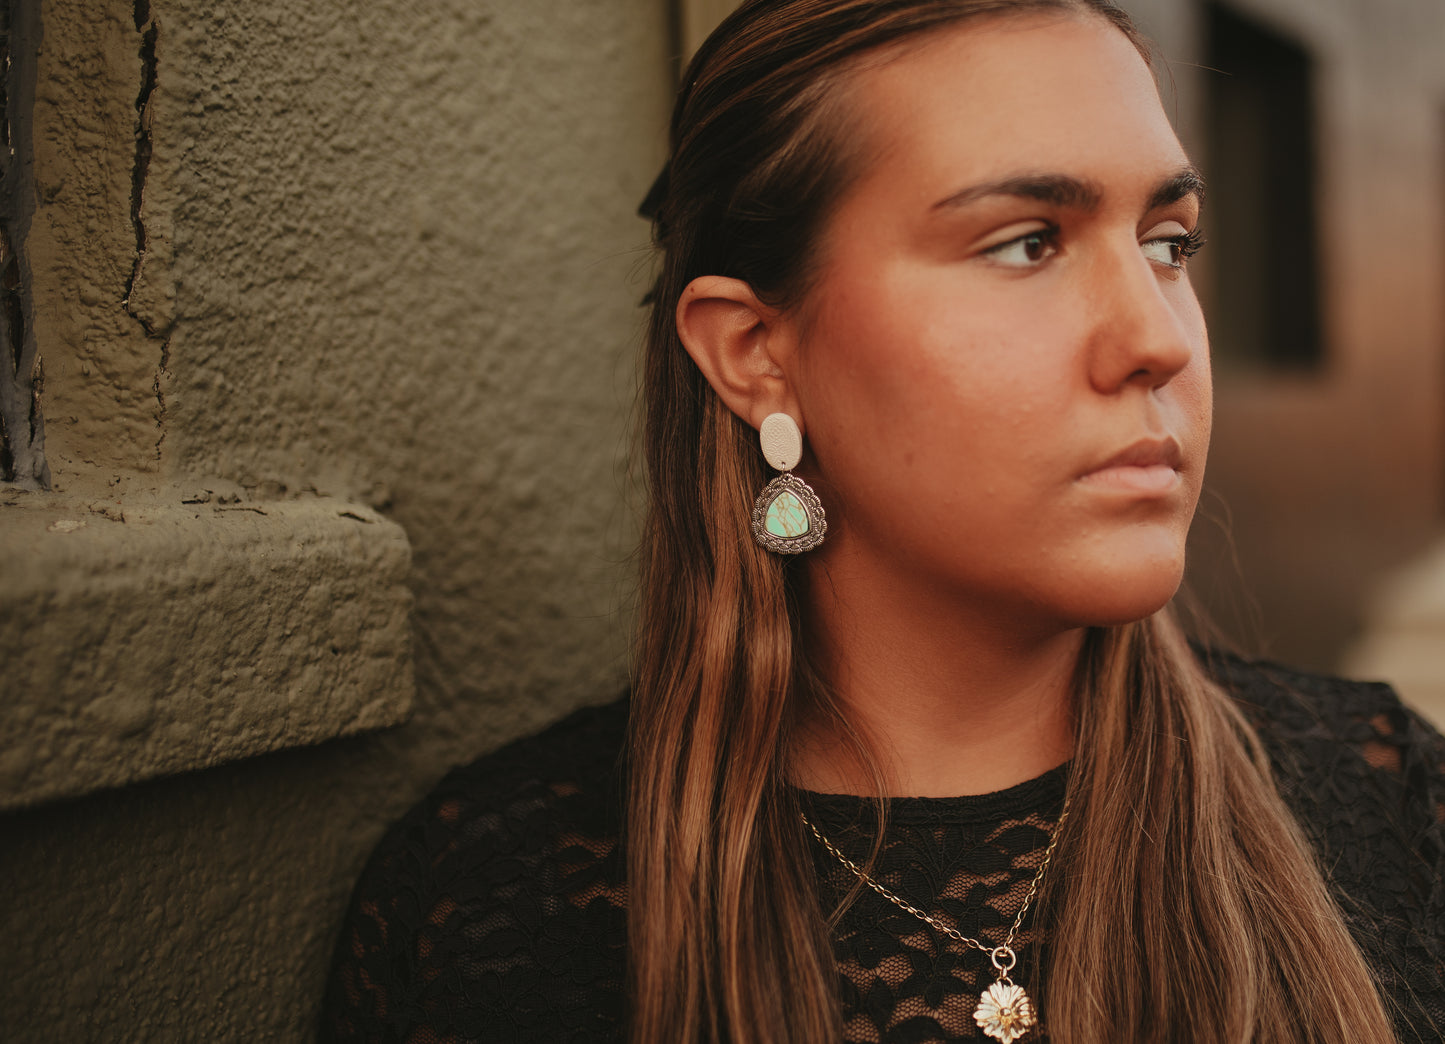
{"x": 153, "y": 636}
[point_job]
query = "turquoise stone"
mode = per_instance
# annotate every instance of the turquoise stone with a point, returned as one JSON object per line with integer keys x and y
{"x": 786, "y": 516}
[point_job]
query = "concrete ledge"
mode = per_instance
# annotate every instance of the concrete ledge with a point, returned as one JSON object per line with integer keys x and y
{"x": 146, "y": 639}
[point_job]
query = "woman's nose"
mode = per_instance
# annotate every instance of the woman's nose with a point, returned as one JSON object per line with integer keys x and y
{"x": 1141, "y": 334}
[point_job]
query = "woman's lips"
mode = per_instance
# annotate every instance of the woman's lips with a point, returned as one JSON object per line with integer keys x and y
{"x": 1149, "y": 466}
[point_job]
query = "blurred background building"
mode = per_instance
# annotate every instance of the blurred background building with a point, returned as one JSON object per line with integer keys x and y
{"x": 319, "y": 323}
{"x": 1321, "y": 129}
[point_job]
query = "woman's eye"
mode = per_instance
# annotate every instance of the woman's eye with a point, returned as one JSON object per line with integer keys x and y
{"x": 1173, "y": 251}
{"x": 1027, "y": 250}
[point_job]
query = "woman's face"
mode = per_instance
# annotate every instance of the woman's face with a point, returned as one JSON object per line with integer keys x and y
{"x": 1002, "y": 368}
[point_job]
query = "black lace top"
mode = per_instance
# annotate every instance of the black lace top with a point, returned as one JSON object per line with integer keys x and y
{"x": 495, "y": 910}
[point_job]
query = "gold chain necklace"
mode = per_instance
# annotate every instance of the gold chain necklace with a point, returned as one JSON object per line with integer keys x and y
{"x": 1004, "y": 1011}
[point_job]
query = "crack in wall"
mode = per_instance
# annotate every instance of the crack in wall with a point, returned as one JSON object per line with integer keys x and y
{"x": 149, "y": 29}
{"x": 162, "y": 372}
{"x": 144, "y": 147}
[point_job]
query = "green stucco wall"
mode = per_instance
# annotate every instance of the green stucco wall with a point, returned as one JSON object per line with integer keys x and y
{"x": 390, "y": 260}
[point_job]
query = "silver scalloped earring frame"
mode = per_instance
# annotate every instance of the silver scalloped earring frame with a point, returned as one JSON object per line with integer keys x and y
{"x": 787, "y": 516}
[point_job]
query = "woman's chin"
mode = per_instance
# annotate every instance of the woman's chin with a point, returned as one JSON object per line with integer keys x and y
{"x": 1122, "y": 595}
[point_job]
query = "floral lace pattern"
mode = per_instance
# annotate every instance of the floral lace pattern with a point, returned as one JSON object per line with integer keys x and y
{"x": 495, "y": 910}
{"x": 968, "y": 861}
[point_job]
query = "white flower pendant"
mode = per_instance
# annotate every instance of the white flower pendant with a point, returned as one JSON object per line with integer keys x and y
{"x": 1005, "y": 1012}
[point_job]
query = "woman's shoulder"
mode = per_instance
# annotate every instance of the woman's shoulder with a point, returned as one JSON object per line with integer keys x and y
{"x": 497, "y": 901}
{"x": 1344, "y": 752}
{"x": 572, "y": 767}
{"x": 534, "y": 795}
{"x": 1316, "y": 724}
{"x": 1365, "y": 777}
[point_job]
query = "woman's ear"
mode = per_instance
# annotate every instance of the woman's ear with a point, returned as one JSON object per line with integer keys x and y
{"x": 738, "y": 343}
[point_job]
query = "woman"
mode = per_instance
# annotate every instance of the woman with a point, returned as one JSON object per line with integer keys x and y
{"x": 914, "y": 750}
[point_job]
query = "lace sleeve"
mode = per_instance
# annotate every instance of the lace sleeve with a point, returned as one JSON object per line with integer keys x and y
{"x": 494, "y": 910}
{"x": 1365, "y": 776}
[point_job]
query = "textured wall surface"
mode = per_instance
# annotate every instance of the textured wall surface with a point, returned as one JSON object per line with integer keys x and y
{"x": 380, "y": 253}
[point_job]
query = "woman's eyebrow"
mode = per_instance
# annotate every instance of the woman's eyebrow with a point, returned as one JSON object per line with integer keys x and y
{"x": 1065, "y": 190}
{"x": 1062, "y": 190}
{"x": 1187, "y": 181}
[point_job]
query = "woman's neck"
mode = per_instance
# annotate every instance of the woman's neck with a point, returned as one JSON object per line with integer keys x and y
{"x": 949, "y": 700}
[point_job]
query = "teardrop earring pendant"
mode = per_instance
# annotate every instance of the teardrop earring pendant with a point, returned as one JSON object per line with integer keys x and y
{"x": 787, "y": 516}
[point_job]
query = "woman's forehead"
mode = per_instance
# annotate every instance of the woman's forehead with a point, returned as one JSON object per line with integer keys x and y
{"x": 1036, "y": 91}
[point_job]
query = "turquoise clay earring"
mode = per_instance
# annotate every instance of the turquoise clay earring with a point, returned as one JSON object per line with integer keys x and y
{"x": 787, "y": 516}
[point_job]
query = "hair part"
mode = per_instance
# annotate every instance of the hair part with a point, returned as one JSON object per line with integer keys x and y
{"x": 1171, "y": 794}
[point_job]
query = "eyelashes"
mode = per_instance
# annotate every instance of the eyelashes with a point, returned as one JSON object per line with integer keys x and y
{"x": 1176, "y": 250}
{"x": 1188, "y": 244}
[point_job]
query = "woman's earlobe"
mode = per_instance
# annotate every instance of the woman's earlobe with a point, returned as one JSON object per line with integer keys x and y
{"x": 734, "y": 338}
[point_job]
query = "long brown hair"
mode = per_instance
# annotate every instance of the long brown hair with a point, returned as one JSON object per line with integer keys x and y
{"x": 1188, "y": 904}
